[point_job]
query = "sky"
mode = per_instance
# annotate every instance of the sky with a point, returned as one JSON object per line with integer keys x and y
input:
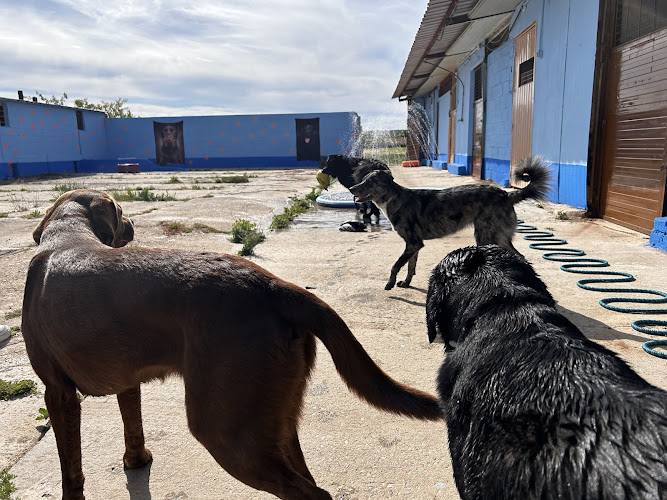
{"x": 211, "y": 57}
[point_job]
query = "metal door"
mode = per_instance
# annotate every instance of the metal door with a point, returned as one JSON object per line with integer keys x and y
{"x": 478, "y": 124}
{"x": 635, "y": 139}
{"x": 451, "y": 155}
{"x": 523, "y": 98}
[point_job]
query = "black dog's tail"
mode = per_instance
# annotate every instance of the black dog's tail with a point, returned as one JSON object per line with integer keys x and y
{"x": 533, "y": 170}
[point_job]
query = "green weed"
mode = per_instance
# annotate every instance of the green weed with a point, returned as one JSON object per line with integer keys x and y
{"x": 234, "y": 179}
{"x": 16, "y": 313}
{"x": 6, "y": 485}
{"x": 32, "y": 215}
{"x": 562, "y": 216}
{"x": 246, "y": 232}
{"x": 9, "y": 390}
{"x": 139, "y": 194}
{"x": 174, "y": 180}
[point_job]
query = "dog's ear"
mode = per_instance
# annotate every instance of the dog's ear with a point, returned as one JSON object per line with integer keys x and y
{"x": 106, "y": 220}
{"x": 435, "y": 302}
{"x": 37, "y": 233}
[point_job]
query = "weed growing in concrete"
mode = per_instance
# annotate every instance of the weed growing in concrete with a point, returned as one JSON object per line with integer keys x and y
{"x": 174, "y": 180}
{"x": 562, "y": 216}
{"x": 246, "y": 232}
{"x": 32, "y": 215}
{"x": 6, "y": 485}
{"x": 234, "y": 179}
{"x": 539, "y": 205}
{"x": 3, "y": 215}
{"x": 298, "y": 206}
{"x": 173, "y": 228}
{"x": 16, "y": 313}
{"x": 139, "y": 194}
{"x": 9, "y": 390}
{"x": 204, "y": 228}
{"x": 61, "y": 189}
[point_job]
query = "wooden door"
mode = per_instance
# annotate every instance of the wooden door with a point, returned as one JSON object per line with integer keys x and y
{"x": 634, "y": 169}
{"x": 478, "y": 124}
{"x": 523, "y": 99}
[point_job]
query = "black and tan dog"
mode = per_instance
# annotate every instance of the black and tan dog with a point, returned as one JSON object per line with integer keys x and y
{"x": 350, "y": 170}
{"x": 424, "y": 214}
{"x": 102, "y": 317}
{"x": 534, "y": 409}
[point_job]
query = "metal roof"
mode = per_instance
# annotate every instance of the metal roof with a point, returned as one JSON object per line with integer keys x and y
{"x": 450, "y": 30}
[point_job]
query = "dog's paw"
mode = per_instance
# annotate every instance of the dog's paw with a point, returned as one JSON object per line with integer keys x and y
{"x": 137, "y": 459}
{"x": 389, "y": 285}
{"x": 403, "y": 284}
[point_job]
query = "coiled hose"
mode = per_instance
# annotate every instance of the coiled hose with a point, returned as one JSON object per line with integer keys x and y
{"x": 575, "y": 262}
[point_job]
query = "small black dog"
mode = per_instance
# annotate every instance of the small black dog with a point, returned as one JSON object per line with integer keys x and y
{"x": 350, "y": 170}
{"x": 534, "y": 409}
{"x": 425, "y": 214}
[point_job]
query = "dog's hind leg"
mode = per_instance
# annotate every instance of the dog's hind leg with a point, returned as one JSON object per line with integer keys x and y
{"x": 411, "y": 250}
{"x": 136, "y": 453}
{"x": 64, "y": 407}
{"x": 412, "y": 269}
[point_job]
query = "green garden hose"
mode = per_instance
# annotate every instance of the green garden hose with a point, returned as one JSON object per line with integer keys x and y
{"x": 575, "y": 262}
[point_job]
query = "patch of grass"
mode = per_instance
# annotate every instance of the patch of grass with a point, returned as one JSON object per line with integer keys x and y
{"x": 16, "y": 313}
{"x": 6, "y": 485}
{"x": 61, "y": 189}
{"x": 246, "y": 232}
{"x": 562, "y": 216}
{"x": 196, "y": 186}
{"x": 539, "y": 205}
{"x": 173, "y": 228}
{"x": 174, "y": 180}
{"x": 209, "y": 195}
{"x": 234, "y": 179}
{"x": 15, "y": 329}
{"x": 144, "y": 212}
{"x": 314, "y": 193}
{"x": 3, "y": 215}
{"x": 298, "y": 206}
{"x": 204, "y": 228}
{"x": 9, "y": 390}
{"x": 139, "y": 194}
{"x": 32, "y": 215}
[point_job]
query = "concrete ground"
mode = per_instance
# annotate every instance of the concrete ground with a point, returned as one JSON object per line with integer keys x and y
{"x": 353, "y": 450}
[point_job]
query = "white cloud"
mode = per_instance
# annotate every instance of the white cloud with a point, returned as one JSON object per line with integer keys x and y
{"x": 255, "y": 56}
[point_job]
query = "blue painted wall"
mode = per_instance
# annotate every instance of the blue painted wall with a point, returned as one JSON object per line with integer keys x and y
{"x": 498, "y": 119}
{"x": 41, "y": 138}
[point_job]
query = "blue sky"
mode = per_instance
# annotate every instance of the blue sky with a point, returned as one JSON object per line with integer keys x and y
{"x": 210, "y": 57}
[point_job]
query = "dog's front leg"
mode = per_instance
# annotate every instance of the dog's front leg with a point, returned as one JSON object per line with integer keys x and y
{"x": 64, "y": 409}
{"x": 136, "y": 453}
{"x": 410, "y": 250}
{"x": 412, "y": 269}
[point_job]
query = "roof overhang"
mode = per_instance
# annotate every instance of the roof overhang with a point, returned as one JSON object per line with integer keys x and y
{"x": 450, "y": 30}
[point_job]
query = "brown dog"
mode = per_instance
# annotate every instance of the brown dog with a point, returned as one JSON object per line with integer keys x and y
{"x": 103, "y": 319}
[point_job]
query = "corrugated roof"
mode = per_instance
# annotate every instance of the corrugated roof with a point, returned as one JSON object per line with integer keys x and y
{"x": 449, "y": 24}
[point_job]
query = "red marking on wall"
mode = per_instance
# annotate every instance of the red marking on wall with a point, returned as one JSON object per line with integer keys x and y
{"x": 291, "y": 150}
{"x": 64, "y": 121}
{"x": 254, "y": 118}
{"x": 90, "y": 148}
{"x": 20, "y": 120}
{"x": 22, "y": 136}
{"x": 32, "y": 111}
{"x": 261, "y": 133}
{"x": 145, "y": 138}
{"x": 194, "y": 149}
{"x": 32, "y": 127}
{"x": 99, "y": 127}
{"x": 76, "y": 133}
{"x": 208, "y": 142}
{"x": 84, "y": 137}
{"x": 92, "y": 132}
{"x": 321, "y": 150}
{"x": 106, "y": 140}
{"x": 251, "y": 136}
{"x": 286, "y": 134}
{"x": 131, "y": 144}
{"x": 148, "y": 151}
{"x": 337, "y": 142}
{"x": 273, "y": 140}
{"x": 238, "y": 124}
{"x": 273, "y": 125}
{"x": 221, "y": 149}
{"x": 67, "y": 139}
{"x": 205, "y": 157}
{"x": 11, "y": 132}
{"x": 119, "y": 139}
{"x": 47, "y": 112}
{"x": 55, "y": 125}
{"x": 347, "y": 151}
{"x": 125, "y": 128}
{"x": 41, "y": 123}
{"x": 78, "y": 148}
{"x": 234, "y": 139}
{"x": 222, "y": 133}
{"x": 5, "y": 145}
{"x": 99, "y": 143}
{"x": 190, "y": 162}
{"x": 16, "y": 151}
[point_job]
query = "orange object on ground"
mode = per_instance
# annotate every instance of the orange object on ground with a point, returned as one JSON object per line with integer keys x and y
{"x": 411, "y": 163}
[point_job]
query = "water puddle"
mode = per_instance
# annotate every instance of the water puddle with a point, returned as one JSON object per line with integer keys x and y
{"x": 330, "y": 219}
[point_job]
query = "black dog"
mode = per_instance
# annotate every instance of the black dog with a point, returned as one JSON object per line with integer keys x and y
{"x": 425, "y": 214}
{"x": 350, "y": 170}
{"x": 533, "y": 408}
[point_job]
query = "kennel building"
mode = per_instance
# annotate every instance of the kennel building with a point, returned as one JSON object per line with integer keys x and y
{"x": 581, "y": 82}
{"x": 38, "y": 138}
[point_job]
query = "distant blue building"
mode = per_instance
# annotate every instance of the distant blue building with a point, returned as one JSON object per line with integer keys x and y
{"x": 37, "y": 138}
{"x": 581, "y": 82}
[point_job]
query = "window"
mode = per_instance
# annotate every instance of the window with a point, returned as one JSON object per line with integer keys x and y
{"x": 636, "y": 18}
{"x": 79, "y": 120}
{"x": 478, "y": 82}
{"x": 3, "y": 120}
{"x": 526, "y": 71}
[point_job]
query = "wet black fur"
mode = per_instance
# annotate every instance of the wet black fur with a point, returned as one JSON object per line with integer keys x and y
{"x": 350, "y": 170}
{"x": 424, "y": 214}
{"x": 533, "y": 408}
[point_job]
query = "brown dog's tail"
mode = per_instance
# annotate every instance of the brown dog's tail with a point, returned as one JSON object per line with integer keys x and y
{"x": 356, "y": 368}
{"x": 531, "y": 169}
